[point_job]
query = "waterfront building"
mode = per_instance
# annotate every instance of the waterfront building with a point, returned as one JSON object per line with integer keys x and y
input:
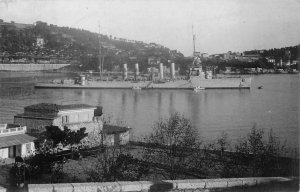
{"x": 115, "y": 135}
{"x": 14, "y": 141}
{"x": 37, "y": 117}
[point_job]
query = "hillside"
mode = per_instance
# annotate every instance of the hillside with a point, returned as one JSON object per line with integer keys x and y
{"x": 50, "y": 43}
{"x": 47, "y": 43}
{"x": 285, "y": 53}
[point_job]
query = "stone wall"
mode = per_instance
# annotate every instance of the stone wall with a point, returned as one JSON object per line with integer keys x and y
{"x": 166, "y": 185}
{"x": 77, "y": 116}
{"x": 32, "y": 124}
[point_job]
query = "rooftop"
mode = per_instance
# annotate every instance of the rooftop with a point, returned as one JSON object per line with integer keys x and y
{"x": 12, "y": 140}
{"x": 50, "y": 107}
{"x": 112, "y": 129}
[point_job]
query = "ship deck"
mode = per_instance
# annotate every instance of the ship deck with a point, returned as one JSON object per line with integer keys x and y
{"x": 229, "y": 83}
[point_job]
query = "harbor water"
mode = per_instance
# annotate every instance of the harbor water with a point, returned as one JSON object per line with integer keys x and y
{"x": 275, "y": 106}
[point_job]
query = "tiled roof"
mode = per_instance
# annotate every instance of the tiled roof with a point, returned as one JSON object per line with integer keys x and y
{"x": 12, "y": 140}
{"x": 50, "y": 107}
{"x": 111, "y": 129}
{"x": 76, "y": 106}
{"x": 36, "y": 116}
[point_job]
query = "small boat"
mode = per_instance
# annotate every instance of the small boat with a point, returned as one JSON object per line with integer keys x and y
{"x": 136, "y": 88}
{"x": 260, "y": 87}
{"x": 198, "y": 88}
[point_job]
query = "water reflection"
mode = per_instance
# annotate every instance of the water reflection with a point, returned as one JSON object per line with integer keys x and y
{"x": 135, "y": 101}
{"x": 123, "y": 103}
{"x": 159, "y": 103}
{"x": 211, "y": 111}
{"x": 12, "y": 90}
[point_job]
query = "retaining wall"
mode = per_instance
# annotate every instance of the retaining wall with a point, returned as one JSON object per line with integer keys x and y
{"x": 166, "y": 185}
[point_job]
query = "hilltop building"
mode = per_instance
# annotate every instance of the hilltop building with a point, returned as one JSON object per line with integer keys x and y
{"x": 14, "y": 25}
{"x": 75, "y": 116}
{"x": 14, "y": 142}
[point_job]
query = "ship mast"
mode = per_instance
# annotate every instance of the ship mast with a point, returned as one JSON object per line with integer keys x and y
{"x": 197, "y": 60}
{"x": 194, "y": 47}
{"x": 194, "y": 39}
{"x": 100, "y": 60}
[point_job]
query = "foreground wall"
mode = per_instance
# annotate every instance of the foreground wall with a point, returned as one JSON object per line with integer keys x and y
{"x": 166, "y": 185}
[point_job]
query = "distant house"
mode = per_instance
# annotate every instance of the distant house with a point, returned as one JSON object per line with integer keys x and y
{"x": 40, "y": 42}
{"x": 14, "y": 142}
{"x": 270, "y": 60}
{"x": 115, "y": 135}
{"x": 248, "y": 57}
{"x": 74, "y": 116}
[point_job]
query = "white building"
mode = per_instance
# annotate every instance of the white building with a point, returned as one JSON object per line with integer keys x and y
{"x": 14, "y": 142}
{"x": 37, "y": 117}
{"x": 40, "y": 42}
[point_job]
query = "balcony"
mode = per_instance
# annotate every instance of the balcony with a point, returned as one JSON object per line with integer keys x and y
{"x": 11, "y": 129}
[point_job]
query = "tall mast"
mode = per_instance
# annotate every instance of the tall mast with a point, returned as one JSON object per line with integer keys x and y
{"x": 100, "y": 60}
{"x": 194, "y": 39}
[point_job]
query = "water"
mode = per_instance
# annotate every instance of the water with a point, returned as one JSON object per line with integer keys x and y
{"x": 275, "y": 107}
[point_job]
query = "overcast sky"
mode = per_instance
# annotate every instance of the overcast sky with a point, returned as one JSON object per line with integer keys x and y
{"x": 220, "y": 25}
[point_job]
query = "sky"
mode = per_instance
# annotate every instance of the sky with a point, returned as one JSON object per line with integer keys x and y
{"x": 219, "y": 25}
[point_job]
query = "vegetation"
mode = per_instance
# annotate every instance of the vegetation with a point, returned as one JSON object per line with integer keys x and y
{"x": 173, "y": 150}
{"x": 175, "y": 136}
{"x": 115, "y": 164}
{"x": 54, "y": 137}
{"x": 174, "y": 143}
{"x": 77, "y": 46}
{"x": 81, "y": 48}
{"x": 284, "y": 53}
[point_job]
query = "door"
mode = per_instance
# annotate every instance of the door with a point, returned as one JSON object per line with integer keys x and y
{"x": 117, "y": 139}
{"x": 12, "y": 151}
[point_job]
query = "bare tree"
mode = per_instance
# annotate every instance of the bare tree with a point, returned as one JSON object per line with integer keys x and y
{"x": 171, "y": 145}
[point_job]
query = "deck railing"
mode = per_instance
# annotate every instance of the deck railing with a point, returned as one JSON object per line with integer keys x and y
{"x": 4, "y": 131}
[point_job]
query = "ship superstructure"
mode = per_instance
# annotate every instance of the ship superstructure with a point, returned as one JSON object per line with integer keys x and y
{"x": 199, "y": 77}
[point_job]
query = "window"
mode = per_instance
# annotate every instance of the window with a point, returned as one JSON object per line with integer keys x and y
{"x": 65, "y": 119}
{"x": 28, "y": 148}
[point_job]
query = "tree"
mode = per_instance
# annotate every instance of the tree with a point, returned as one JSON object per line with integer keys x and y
{"x": 66, "y": 136}
{"x": 171, "y": 145}
{"x": 116, "y": 164}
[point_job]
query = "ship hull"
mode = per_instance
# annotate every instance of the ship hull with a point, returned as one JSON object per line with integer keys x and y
{"x": 227, "y": 83}
{"x": 30, "y": 67}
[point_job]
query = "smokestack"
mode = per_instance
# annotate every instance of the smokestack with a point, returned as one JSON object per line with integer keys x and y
{"x": 136, "y": 67}
{"x": 124, "y": 71}
{"x": 172, "y": 70}
{"x": 161, "y": 70}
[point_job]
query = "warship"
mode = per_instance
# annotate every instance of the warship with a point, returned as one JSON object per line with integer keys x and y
{"x": 199, "y": 77}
